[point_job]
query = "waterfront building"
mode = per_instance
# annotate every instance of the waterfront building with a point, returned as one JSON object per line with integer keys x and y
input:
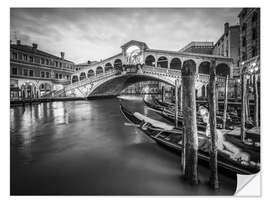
{"x": 34, "y": 73}
{"x": 150, "y": 87}
{"x": 198, "y": 47}
{"x": 85, "y": 65}
{"x": 250, "y": 33}
{"x": 228, "y": 45}
{"x": 249, "y": 19}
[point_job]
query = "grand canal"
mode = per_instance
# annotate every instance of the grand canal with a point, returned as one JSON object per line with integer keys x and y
{"x": 84, "y": 148}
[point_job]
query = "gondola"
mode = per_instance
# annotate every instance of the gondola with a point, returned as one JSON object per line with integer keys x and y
{"x": 168, "y": 114}
{"x": 234, "y": 118}
{"x": 170, "y": 138}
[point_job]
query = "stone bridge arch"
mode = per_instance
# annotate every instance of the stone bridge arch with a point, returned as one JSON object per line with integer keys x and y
{"x": 113, "y": 86}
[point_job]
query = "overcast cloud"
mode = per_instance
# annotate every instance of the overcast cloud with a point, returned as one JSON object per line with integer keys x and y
{"x": 94, "y": 34}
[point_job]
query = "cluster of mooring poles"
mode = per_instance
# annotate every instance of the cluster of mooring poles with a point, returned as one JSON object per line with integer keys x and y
{"x": 185, "y": 97}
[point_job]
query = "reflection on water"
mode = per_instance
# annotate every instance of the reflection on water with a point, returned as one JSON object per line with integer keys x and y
{"x": 83, "y": 147}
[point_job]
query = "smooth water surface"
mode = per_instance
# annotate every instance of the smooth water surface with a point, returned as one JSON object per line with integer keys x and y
{"x": 84, "y": 148}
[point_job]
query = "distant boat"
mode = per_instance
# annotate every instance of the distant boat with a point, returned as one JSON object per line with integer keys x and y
{"x": 130, "y": 97}
{"x": 171, "y": 138}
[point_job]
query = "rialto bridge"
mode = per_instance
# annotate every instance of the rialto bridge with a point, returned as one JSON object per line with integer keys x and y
{"x": 137, "y": 62}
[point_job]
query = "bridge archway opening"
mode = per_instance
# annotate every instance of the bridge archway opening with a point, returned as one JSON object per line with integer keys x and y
{"x": 222, "y": 69}
{"x": 74, "y": 79}
{"x": 150, "y": 60}
{"x": 44, "y": 88}
{"x": 204, "y": 67}
{"x": 118, "y": 65}
{"x": 162, "y": 62}
{"x": 99, "y": 70}
{"x": 175, "y": 64}
{"x": 90, "y": 73}
{"x": 28, "y": 90}
{"x": 108, "y": 67}
{"x": 82, "y": 76}
{"x": 189, "y": 66}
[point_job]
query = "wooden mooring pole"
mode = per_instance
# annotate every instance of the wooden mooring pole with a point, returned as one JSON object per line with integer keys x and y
{"x": 189, "y": 121}
{"x": 256, "y": 102}
{"x": 181, "y": 99}
{"x": 225, "y": 102}
{"x": 243, "y": 106}
{"x": 216, "y": 92}
{"x": 163, "y": 94}
{"x": 212, "y": 122}
{"x": 247, "y": 101}
{"x": 176, "y": 102}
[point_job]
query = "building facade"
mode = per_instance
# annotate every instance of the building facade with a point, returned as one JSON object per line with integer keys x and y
{"x": 198, "y": 47}
{"x": 228, "y": 45}
{"x": 34, "y": 73}
{"x": 249, "y": 19}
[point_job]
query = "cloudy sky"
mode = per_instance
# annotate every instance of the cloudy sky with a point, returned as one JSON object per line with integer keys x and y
{"x": 94, "y": 34}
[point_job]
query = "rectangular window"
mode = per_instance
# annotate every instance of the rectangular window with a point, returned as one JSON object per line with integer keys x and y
{"x": 254, "y": 33}
{"x": 31, "y": 59}
{"x": 31, "y": 73}
{"x": 14, "y": 71}
{"x": 47, "y": 61}
{"x": 244, "y": 27}
{"x": 37, "y": 59}
{"x": 60, "y": 64}
{"x": 25, "y": 72}
{"x": 25, "y": 57}
{"x": 56, "y": 75}
{"x": 42, "y": 74}
{"x": 60, "y": 76}
{"x": 244, "y": 56}
{"x": 56, "y": 64}
{"x": 47, "y": 74}
{"x": 20, "y": 56}
{"x": 14, "y": 55}
{"x": 42, "y": 61}
{"x": 244, "y": 42}
{"x": 254, "y": 51}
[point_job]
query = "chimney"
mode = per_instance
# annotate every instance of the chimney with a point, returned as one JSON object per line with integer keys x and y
{"x": 34, "y": 45}
{"x": 18, "y": 42}
{"x": 62, "y": 55}
{"x": 89, "y": 62}
{"x": 226, "y": 28}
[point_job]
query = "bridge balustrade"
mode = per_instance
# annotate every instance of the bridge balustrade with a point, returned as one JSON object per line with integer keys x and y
{"x": 92, "y": 79}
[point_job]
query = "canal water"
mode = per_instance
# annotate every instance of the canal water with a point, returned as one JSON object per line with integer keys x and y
{"x": 84, "y": 148}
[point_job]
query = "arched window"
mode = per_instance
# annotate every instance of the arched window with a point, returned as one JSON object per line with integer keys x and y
{"x": 108, "y": 67}
{"x": 99, "y": 70}
{"x": 150, "y": 60}
{"x": 204, "y": 68}
{"x": 162, "y": 62}
{"x": 222, "y": 69}
{"x": 90, "y": 73}
{"x": 175, "y": 64}
{"x": 74, "y": 78}
{"x": 82, "y": 76}
{"x": 118, "y": 64}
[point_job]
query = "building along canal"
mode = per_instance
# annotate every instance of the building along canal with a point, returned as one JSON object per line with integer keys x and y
{"x": 84, "y": 148}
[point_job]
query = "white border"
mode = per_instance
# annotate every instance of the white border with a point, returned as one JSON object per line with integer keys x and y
{"x": 5, "y": 6}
